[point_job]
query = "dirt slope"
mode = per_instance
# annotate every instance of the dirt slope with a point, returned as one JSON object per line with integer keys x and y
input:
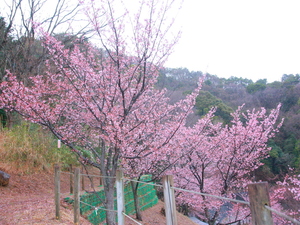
{"x": 29, "y": 200}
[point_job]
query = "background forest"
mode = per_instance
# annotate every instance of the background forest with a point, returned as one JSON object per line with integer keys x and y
{"x": 228, "y": 94}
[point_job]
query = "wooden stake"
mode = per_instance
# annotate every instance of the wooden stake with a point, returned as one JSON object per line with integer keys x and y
{"x": 120, "y": 197}
{"x": 57, "y": 191}
{"x": 169, "y": 197}
{"x": 82, "y": 178}
{"x": 76, "y": 195}
{"x": 259, "y": 197}
{"x": 71, "y": 179}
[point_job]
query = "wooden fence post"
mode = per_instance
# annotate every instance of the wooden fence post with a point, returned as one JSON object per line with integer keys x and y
{"x": 57, "y": 191}
{"x": 169, "y": 197}
{"x": 259, "y": 197}
{"x": 100, "y": 181}
{"x": 82, "y": 178}
{"x": 76, "y": 195}
{"x": 71, "y": 179}
{"x": 120, "y": 197}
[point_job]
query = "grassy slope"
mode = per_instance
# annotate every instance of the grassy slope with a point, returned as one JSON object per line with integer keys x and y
{"x": 28, "y": 148}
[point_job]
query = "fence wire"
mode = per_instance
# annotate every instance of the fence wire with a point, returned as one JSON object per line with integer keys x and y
{"x": 283, "y": 215}
{"x": 242, "y": 202}
{"x": 142, "y": 182}
{"x": 132, "y": 219}
{"x": 179, "y": 189}
{"x": 213, "y": 196}
{"x": 67, "y": 173}
{"x": 89, "y": 175}
{"x": 97, "y": 208}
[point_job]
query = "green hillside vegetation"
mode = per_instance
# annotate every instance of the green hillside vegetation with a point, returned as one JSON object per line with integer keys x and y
{"x": 228, "y": 94}
{"x": 205, "y": 101}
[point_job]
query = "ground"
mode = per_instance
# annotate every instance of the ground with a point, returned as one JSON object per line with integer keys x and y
{"x": 29, "y": 200}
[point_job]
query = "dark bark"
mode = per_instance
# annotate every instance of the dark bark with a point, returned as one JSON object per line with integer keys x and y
{"x": 134, "y": 186}
{"x": 109, "y": 194}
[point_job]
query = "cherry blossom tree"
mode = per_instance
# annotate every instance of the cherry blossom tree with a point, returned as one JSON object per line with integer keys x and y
{"x": 160, "y": 165}
{"x": 104, "y": 105}
{"x": 220, "y": 161}
{"x": 286, "y": 196}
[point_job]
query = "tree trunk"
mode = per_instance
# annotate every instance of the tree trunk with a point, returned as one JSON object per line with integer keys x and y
{"x": 211, "y": 220}
{"x": 9, "y": 122}
{"x": 109, "y": 194}
{"x": 134, "y": 186}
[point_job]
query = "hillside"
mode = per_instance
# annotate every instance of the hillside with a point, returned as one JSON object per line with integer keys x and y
{"x": 29, "y": 200}
{"x": 27, "y": 154}
{"x": 228, "y": 94}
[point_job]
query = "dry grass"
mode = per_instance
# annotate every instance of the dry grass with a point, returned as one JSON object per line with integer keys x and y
{"x": 27, "y": 148}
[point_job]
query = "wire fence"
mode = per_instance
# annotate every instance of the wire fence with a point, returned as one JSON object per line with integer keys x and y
{"x": 129, "y": 217}
{"x": 282, "y": 215}
{"x": 102, "y": 207}
{"x": 258, "y": 196}
{"x": 213, "y": 196}
{"x": 241, "y": 202}
{"x": 142, "y": 182}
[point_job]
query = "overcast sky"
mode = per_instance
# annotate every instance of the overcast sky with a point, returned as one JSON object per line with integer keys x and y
{"x": 253, "y": 39}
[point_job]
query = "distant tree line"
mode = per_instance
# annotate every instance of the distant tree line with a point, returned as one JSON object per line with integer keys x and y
{"x": 228, "y": 94}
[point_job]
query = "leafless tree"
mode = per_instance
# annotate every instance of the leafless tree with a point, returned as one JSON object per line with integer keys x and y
{"x": 21, "y": 51}
{"x": 26, "y": 56}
